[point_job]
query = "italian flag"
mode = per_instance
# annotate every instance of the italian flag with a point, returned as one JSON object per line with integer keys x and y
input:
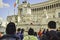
{"x": 17, "y": 2}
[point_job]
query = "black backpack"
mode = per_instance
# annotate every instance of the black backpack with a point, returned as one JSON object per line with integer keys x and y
{"x": 51, "y": 35}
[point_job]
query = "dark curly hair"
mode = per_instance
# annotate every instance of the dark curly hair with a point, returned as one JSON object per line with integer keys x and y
{"x": 52, "y": 24}
{"x": 30, "y": 31}
{"x": 11, "y": 28}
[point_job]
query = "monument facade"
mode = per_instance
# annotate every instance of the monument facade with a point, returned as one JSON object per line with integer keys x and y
{"x": 38, "y": 15}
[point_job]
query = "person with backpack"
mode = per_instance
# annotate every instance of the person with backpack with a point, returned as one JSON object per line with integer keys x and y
{"x": 44, "y": 31}
{"x": 31, "y": 35}
{"x": 52, "y": 34}
{"x": 40, "y": 33}
{"x": 22, "y": 34}
{"x": 18, "y": 32}
{"x": 10, "y": 32}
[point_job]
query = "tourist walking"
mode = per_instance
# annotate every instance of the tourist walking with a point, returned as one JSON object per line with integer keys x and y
{"x": 30, "y": 35}
{"x": 10, "y": 32}
{"x": 52, "y": 34}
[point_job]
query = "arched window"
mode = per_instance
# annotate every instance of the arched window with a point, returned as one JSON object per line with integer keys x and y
{"x": 32, "y": 9}
{"x": 57, "y": 5}
{"x": 44, "y": 7}
{"x": 48, "y": 7}
{"x": 52, "y": 6}
{"x": 35, "y": 9}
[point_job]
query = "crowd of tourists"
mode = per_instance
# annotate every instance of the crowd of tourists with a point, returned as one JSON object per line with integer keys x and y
{"x": 50, "y": 34}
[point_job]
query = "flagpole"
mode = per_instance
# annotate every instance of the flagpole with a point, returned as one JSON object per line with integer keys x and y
{"x": 14, "y": 16}
{"x": 14, "y": 11}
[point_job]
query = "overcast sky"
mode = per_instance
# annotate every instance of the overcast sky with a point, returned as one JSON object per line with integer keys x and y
{"x": 7, "y": 6}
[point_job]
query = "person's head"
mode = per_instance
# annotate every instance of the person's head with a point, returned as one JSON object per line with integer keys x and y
{"x": 22, "y": 31}
{"x": 52, "y": 25}
{"x": 57, "y": 30}
{"x": 35, "y": 33}
{"x": 47, "y": 30}
{"x": 44, "y": 30}
{"x": 18, "y": 30}
{"x": 11, "y": 28}
{"x": 30, "y": 31}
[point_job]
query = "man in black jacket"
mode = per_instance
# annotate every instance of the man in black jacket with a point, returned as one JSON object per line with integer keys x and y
{"x": 10, "y": 32}
{"x": 52, "y": 33}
